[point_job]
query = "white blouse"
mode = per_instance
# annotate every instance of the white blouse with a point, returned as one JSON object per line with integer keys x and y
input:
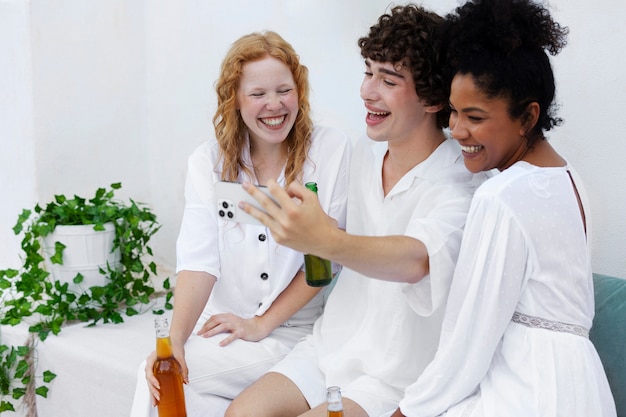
{"x": 524, "y": 257}
{"x": 250, "y": 267}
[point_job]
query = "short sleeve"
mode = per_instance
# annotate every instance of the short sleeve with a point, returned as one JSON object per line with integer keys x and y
{"x": 198, "y": 237}
{"x": 441, "y": 232}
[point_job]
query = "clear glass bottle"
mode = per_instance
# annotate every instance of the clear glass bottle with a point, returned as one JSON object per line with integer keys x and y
{"x": 333, "y": 398}
{"x": 318, "y": 271}
{"x": 169, "y": 373}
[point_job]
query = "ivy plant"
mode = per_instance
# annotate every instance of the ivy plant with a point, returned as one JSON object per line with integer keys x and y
{"x": 31, "y": 295}
{"x": 16, "y": 376}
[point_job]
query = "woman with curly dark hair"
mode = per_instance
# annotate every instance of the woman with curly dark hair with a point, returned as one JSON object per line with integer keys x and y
{"x": 408, "y": 197}
{"x": 515, "y": 340}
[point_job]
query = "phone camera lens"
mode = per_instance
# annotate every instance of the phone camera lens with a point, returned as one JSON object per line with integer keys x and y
{"x": 221, "y": 213}
{"x": 231, "y": 215}
{"x": 224, "y": 204}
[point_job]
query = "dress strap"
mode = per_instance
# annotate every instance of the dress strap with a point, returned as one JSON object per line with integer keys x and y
{"x": 555, "y": 326}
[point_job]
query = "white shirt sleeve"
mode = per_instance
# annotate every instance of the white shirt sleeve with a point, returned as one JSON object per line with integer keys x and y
{"x": 485, "y": 290}
{"x": 441, "y": 231}
{"x": 196, "y": 247}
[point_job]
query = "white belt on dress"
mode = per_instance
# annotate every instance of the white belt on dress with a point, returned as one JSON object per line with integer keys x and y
{"x": 555, "y": 326}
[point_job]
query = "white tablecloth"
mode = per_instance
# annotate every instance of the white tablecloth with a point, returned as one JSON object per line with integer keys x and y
{"x": 96, "y": 367}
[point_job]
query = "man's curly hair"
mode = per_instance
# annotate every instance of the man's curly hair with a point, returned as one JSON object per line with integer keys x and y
{"x": 411, "y": 36}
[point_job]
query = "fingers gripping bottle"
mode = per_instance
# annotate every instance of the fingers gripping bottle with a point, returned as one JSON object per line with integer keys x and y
{"x": 318, "y": 271}
{"x": 169, "y": 373}
{"x": 333, "y": 398}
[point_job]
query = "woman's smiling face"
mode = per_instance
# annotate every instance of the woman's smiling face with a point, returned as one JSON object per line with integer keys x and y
{"x": 268, "y": 100}
{"x": 488, "y": 135}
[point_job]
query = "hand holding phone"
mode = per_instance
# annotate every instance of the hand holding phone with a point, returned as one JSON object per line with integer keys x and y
{"x": 229, "y": 194}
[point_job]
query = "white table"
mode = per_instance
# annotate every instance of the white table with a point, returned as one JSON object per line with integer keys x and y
{"x": 96, "y": 367}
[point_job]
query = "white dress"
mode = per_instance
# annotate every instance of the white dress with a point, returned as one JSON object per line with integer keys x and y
{"x": 514, "y": 340}
{"x": 375, "y": 337}
{"x": 252, "y": 270}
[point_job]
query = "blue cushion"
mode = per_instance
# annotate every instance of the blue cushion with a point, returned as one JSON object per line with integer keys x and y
{"x": 608, "y": 334}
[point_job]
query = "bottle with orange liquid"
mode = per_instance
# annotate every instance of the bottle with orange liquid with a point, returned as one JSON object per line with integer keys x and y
{"x": 333, "y": 398}
{"x": 169, "y": 373}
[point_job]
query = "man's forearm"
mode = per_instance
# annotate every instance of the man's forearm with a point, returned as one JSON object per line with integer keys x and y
{"x": 391, "y": 258}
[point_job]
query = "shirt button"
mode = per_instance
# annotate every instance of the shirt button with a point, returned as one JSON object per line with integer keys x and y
{"x": 264, "y": 276}
{"x": 262, "y": 237}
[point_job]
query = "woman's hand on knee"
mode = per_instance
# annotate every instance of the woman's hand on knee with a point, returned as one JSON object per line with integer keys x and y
{"x": 239, "y": 328}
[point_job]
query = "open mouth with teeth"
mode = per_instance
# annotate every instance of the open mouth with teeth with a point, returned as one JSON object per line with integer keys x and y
{"x": 377, "y": 115}
{"x": 472, "y": 148}
{"x": 274, "y": 121}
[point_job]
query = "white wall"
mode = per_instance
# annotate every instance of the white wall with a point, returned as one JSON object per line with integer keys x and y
{"x": 17, "y": 164}
{"x": 133, "y": 81}
{"x": 73, "y": 114}
{"x": 591, "y": 88}
{"x": 88, "y": 96}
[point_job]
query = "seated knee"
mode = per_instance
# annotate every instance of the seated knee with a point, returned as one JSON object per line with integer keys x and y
{"x": 236, "y": 409}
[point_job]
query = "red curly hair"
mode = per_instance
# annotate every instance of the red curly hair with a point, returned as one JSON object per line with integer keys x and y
{"x": 229, "y": 126}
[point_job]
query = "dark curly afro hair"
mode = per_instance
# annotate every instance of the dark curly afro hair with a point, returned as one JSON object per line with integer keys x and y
{"x": 503, "y": 44}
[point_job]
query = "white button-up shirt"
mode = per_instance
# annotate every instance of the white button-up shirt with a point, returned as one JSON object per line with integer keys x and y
{"x": 250, "y": 267}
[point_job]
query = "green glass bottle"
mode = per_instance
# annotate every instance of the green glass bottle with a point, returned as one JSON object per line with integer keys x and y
{"x": 317, "y": 270}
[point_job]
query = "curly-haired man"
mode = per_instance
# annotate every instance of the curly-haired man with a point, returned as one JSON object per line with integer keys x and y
{"x": 407, "y": 202}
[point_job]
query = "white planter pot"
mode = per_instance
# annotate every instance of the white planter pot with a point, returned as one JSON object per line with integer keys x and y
{"x": 86, "y": 250}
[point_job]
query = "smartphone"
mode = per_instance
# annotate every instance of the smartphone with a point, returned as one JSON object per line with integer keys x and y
{"x": 229, "y": 194}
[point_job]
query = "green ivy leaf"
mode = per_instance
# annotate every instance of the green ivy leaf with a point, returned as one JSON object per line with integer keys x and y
{"x": 42, "y": 391}
{"x": 21, "y": 220}
{"x": 23, "y": 350}
{"x": 57, "y": 258}
{"x": 78, "y": 278}
{"x": 48, "y": 376}
{"x": 18, "y": 393}
{"x": 6, "y": 406}
{"x": 21, "y": 369}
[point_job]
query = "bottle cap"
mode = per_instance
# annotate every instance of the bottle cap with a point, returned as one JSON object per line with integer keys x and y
{"x": 161, "y": 326}
{"x": 333, "y": 397}
{"x": 311, "y": 186}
